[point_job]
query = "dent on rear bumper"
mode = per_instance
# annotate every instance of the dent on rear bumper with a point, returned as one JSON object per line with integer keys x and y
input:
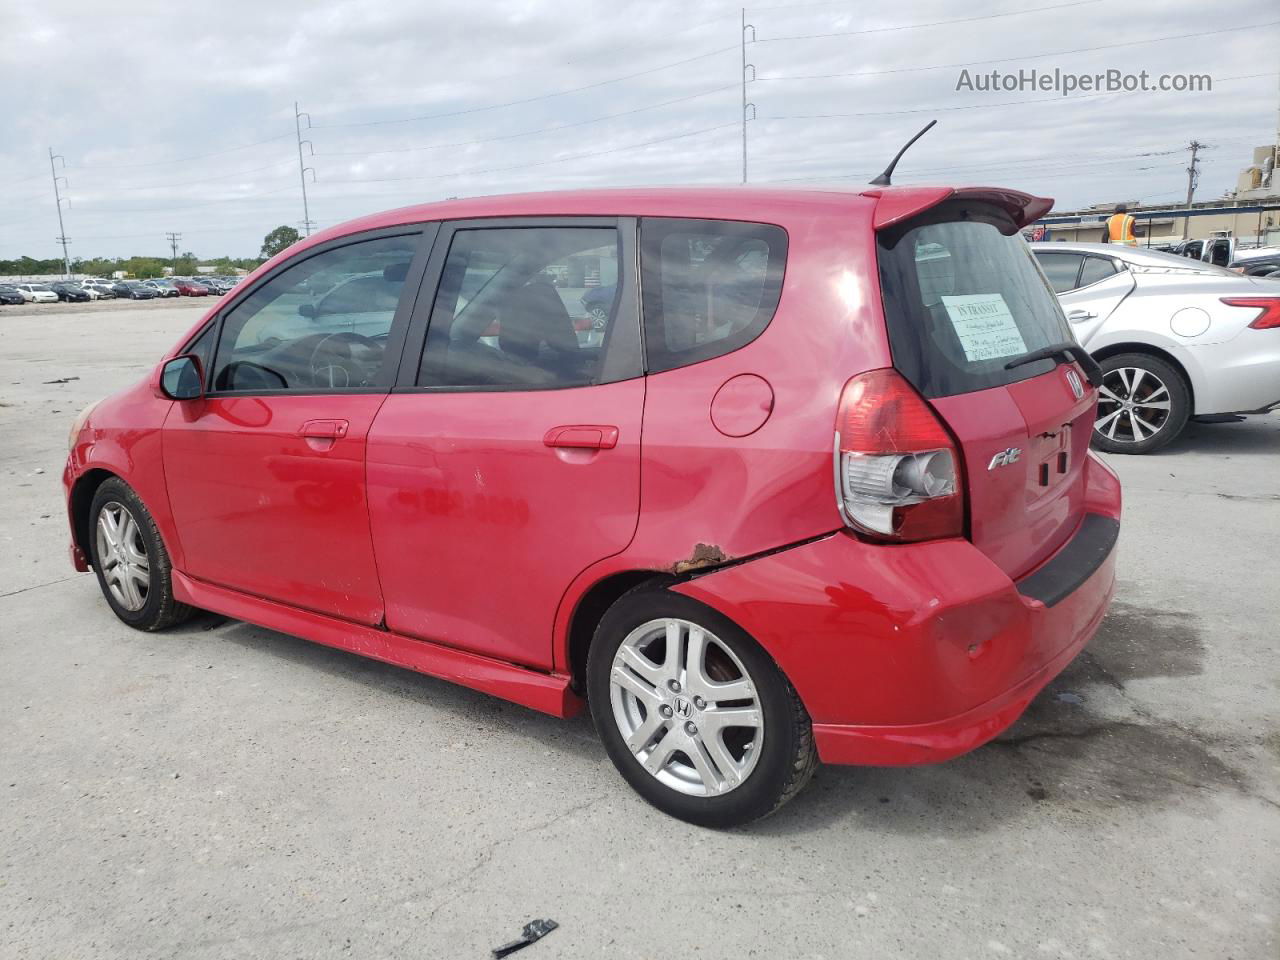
{"x": 913, "y": 653}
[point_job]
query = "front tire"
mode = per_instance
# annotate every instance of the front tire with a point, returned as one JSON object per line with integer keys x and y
{"x": 1143, "y": 404}
{"x": 693, "y": 713}
{"x": 130, "y": 560}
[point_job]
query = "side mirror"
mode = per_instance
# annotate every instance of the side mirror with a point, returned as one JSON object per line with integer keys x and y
{"x": 182, "y": 378}
{"x": 307, "y": 309}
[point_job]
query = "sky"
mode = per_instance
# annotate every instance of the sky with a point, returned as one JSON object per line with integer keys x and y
{"x": 187, "y": 124}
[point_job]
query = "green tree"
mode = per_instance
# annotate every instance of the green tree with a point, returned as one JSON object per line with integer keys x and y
{"x": 278, "y": 239}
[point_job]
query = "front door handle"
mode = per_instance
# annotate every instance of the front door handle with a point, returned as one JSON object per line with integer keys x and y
{"x": 582, "y": 436}
{"x": 1076, "y": 316}
{"x": 324, "y": 429}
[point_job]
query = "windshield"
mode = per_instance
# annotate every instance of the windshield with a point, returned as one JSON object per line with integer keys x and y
{"x": 962, "y": 297}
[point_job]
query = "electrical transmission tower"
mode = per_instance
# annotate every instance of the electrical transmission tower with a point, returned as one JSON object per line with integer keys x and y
{"x": 1193, "y": 178}
{"x": 58, "y": 198}
{"x": 173, "y": 239}
{"x": 745, "y": 105}
{"x": 303, "y": 169}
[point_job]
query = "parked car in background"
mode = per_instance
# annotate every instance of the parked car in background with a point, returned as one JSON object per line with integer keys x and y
{"x": 104, "y": 288}
{"x": 597, "y": 303}
{"x": 1261, "y": 263}
{"x": 37, "y": 292}
{"x": 1176, "y": 339}
{"x": 10, "y": 294}
{"x": 70, "y": 292}
{"x": 135, "y": 290}
{"x": 165, "y": 288}
{"x": 870, "y": 528}
{"x": 189, "y": 288}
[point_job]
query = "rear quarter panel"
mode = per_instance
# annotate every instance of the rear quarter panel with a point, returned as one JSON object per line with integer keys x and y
{"x": 707, "y": 498}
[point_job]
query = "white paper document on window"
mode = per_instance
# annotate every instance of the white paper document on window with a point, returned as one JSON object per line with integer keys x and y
{"x": 985, "y": 326}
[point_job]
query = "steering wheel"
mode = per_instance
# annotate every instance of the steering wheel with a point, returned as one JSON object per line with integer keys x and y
{"x": 344, "y": 360}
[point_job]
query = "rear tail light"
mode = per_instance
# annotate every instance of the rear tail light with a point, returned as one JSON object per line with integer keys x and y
{"x": 1268, "y": 319}
{"x": 897, "y": 468}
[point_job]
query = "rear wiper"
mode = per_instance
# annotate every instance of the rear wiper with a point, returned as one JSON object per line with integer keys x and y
{"x": 1063, "y": 352}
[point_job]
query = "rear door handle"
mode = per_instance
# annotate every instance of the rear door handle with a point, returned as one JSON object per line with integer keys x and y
{"x": 582, "y": 436}
{"x": 1078, "y": 315}
{"x": 324, "y": 429}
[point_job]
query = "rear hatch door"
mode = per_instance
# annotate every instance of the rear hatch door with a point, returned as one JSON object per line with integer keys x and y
{"x": 964, "y": 301}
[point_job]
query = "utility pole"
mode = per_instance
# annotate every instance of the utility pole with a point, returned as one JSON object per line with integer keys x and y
{"x": 173, "y": 239}
{"x": 1193, "y": 177}
{"x": 58, "y": 198}
{"x": 302, "y": 167}
{"x": 745, "y": 104}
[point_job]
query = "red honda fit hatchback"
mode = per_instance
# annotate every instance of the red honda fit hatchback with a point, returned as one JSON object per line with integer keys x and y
{"x": 816, "y": 487}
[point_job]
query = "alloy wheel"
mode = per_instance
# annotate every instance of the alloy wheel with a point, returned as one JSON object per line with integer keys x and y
{"x": 686, "y": 707}
{"x": 1133, "y": 405}
{"x": 123, "y": 555}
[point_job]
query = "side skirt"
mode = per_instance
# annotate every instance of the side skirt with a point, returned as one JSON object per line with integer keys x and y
{"x": 547, "y": 692}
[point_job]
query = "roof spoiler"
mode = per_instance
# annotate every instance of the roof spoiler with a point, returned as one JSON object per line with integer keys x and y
{"x": 895, "y": 204}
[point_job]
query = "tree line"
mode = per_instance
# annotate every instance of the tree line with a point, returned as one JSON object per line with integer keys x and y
{"x": 144, "y": 267}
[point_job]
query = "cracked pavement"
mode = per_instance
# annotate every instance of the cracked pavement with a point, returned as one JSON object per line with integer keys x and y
{"x": 224, "y": 791}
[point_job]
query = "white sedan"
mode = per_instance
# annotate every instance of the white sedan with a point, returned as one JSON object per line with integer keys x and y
{"x": 1176, "y": 338}
{"x": 37, "y": 293}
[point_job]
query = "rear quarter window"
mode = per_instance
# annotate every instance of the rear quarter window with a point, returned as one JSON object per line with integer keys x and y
{"x": 962, "y": 297}
{"x": 708, "y": 287}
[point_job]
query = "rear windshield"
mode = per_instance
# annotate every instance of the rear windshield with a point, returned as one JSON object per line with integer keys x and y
{"x": 962, "y": 297}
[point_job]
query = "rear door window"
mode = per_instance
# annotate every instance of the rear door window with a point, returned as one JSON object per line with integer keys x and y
{"x": 1095, "y": 269}
{"x": 962, "y": 298}
{"x": 708, "y": 286}
{"x": 1062, "y": 269}
{"x": 525, "y": 308}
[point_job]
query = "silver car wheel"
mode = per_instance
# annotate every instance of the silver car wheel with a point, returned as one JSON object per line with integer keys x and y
{"x": 123, "y": 556}
{"x": 686, "y": 707}
{"x": 1133, "y": 405}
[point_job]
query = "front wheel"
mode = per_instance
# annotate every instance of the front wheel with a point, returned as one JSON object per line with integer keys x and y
{"x": 693, "y": 713}
{"x": 130, "y": 559}
{"x": 1143, "y": 404}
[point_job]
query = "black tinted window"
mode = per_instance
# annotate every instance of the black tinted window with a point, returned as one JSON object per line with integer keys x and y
{"x": 709, "y": 286}
{"x": 320, "y": 324}
{"x": 525, "y": 307}
{"x": 202, "y": 347}
{"x": 962, "y": 297}
{"x": 1061, "y": 269}
{"x": 1095, "y": 269}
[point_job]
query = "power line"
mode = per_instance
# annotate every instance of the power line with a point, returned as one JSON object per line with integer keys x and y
{"x": 198, "y": 156}
{"x": 528, "y": 133}
{"x": 543, "y": 96}
{"x": 541, "y": 163}
{"x": 204, "y": 180}
{"x": 935, "y": 23}
{"x": 1035, "y": 56}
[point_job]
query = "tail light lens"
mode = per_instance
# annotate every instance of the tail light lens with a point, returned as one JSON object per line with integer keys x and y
{"x": 1267, "y": 319}
{"x": 897, "y": 468}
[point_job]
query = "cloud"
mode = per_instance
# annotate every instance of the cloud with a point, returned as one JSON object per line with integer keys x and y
{"x": 187, "y": 123}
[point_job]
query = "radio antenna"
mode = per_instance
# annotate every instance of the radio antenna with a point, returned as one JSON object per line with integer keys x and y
{"x": 884, "y": 180}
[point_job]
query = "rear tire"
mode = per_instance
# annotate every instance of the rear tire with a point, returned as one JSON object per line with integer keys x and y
{"x": 718, "y": 743}
{"x": 130, "y": 560}
{"x": 1144, "y": 403}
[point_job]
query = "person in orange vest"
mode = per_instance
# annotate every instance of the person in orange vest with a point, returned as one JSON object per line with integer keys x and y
{"x": 1120, "y": 227}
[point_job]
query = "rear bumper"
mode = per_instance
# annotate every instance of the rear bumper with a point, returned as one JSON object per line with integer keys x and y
{"x": 918, "y": 653}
